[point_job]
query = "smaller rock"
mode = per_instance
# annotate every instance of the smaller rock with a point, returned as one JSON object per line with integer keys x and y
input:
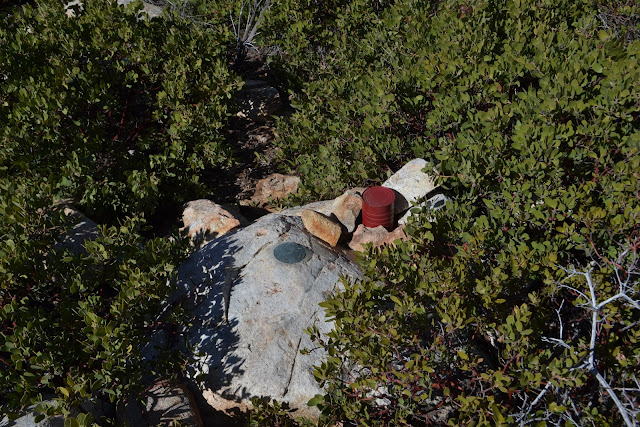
{"x": 258, "y": 101}
{"x": 364, "y": 235}
{"x": 234, "y": 210}
{"x": 435, "y": 203}
{"x": 321, "y": 226}
{"x": 273, "y": 187}
{"x": 164, "y": 405}
{"x": 69, "y": 10}
{"x": 347, "y": 208}
{"x": 82, "y": 229}
{"x": 203, "y": 218}
{"x": 396, "y": 234}
{"x": 377, "y": 236}
{"x": 325, "y": 207}
{"x": 154, "y": 11}
{"x": 410, "y": 184}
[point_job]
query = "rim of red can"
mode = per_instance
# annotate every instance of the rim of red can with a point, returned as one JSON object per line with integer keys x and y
{"x": 378, "y": 197}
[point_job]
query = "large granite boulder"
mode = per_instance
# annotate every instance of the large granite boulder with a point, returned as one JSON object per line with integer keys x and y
{"x": 252, "y": 298}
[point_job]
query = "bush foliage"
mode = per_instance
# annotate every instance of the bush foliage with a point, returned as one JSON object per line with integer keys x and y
{"x": 73, "y": 323}
{"x": 529, "y": 113}
{"x": 118, "y": 113}
{"x": 114, "y": 109}
{"x": 516, "y": 303}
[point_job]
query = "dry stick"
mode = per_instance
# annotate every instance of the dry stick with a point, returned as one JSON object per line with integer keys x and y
{"x": 239, "y": 20}
{"x": 254, "y": 31}
{"x": 596, "y": 307}
{"x": 250, "y": 20}
{"x": 624, "y": 286}
{"x": 592, "y": 347}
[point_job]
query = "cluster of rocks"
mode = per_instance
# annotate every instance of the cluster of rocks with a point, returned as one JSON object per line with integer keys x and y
{"x": 252, "y": 293}
{"x": 334, "y": 221}
{"x": 250, "y": 306}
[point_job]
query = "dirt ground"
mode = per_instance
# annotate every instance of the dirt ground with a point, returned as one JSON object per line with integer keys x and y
{"x": 254, "y": 157}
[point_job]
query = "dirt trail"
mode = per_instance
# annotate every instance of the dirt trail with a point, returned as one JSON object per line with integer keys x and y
{"x": 253, "y": 158}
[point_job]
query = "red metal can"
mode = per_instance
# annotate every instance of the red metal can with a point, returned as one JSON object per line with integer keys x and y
{"x": 378, "y": 207}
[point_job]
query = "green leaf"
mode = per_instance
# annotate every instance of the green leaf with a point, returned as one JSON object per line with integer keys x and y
{"x": 554, "y": 407}
{"x": 316, "y": 400}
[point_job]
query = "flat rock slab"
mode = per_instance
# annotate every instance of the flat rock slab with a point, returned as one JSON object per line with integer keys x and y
{"x": 250, "y": 311}
{"x": 410, "y": 184}
{"x": 163, "y": 405}
{"x": 258, "y": 101}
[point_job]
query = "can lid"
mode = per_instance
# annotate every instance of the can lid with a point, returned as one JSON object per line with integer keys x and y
{"x": 378, "y": 196}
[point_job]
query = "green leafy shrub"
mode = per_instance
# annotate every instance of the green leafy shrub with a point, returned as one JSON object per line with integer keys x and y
{"x": 344, "y": 90}
{"x": 267, "y": 411}
{"x": 113, "y": 109}
{"x": 531, "y": 117}
{"x": 74, "y": 324}
{"x": 116, "y": 112}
